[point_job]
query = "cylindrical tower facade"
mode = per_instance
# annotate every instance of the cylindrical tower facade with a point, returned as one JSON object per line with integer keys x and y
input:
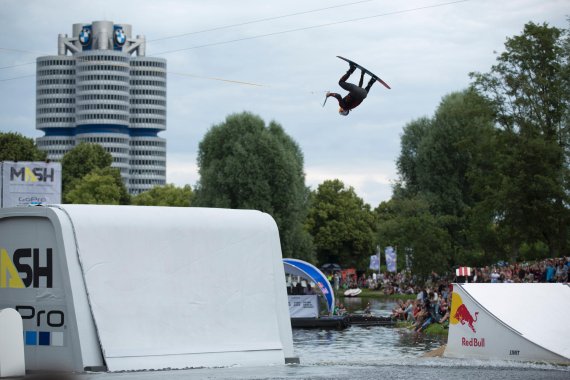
{"x": 148, "y": 118}
{"x": 55, "y": 104}
{"x": 103, "y": 94}
{"x": 102, "y": 103}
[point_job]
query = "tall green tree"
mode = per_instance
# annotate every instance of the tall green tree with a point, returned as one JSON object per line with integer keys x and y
{"x": 441, "y": 160}
{"x": 408, "y": 224}
{"x": 15, "y": 147}
{"x": 167, "y": 195}
{"x": 407, "y": 163}
{"x": 80, "y": 161}
{"x": 529, "y": 88}
{"x": 245, "y": 164}
{"x": 341, "y": 224}
{"x": 99, "y": 186}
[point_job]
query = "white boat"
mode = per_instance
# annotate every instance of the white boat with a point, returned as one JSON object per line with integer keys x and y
{"x": 352, "y": 292}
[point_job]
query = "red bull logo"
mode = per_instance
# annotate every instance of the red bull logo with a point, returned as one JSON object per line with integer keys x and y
{"x": 323, "y": 288}
{"x": 460, "y": 313}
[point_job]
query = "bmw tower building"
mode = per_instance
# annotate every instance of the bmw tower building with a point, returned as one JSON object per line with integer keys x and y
{"x": 101, "y": 88}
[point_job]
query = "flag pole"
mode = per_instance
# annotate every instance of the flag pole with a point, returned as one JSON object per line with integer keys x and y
{"x": 379, "y": 254}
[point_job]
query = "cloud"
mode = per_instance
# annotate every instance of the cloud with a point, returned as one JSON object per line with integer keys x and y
{"x": 182, "y": 169}
{"x": 371, "y": 181}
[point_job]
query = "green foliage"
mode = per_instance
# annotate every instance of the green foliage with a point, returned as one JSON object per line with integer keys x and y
{"x": 534, "y": 251}
{"x": 487, "y": 177}
{"x": 408, "y": 224}
{"x": 341, "y": 224}
{"x": 80, "y": 161}
{"x": 441, "y": 161}
{"x": 529, "y": 83}
{"x": 529, "y": 89}
{"x": 246, "y": 165}
{"x": 100, "y": 186}
{"x": 15, "y": 147}
{"x": 407, "y": 164}
{"x": 167, "y": 195}
{"x": 439, "y": 154}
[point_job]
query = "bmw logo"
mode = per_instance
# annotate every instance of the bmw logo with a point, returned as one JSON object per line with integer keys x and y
{"x": 120, "y": 37}
{"x": 85, "y": 36}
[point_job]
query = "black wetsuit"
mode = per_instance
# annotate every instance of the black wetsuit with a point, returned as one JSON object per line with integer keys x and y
{"x": 356, "y": 94}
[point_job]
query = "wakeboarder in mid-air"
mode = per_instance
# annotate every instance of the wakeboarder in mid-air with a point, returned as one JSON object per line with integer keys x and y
{"x": 356, "y": 94}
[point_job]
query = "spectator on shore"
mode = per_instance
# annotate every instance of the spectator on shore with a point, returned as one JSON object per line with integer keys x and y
{"x": 415, "y": 309}
{"x": 405, "y": 282}
{"x": 443, "y": 312}
{"x": 298, "y": 290}
{"x": 562, "y": 273}
{"x": 402, "y": 310}
{"x": 495, "y": 276}
{"x": 550, "y": 271}
{"x": 337, "y": 278}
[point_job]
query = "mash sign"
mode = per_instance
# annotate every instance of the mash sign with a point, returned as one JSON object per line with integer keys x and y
{"x": 30, "y": 183}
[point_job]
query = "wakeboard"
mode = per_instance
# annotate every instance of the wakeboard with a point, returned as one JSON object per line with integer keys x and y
{"x": 366, "y": 71}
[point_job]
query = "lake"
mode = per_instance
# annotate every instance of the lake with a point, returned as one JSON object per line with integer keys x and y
{"x": 363, "y": 353}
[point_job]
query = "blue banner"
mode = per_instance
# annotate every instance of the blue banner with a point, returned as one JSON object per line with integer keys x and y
{"x": 374, "y": 262}
{"x": 390, "y": 253}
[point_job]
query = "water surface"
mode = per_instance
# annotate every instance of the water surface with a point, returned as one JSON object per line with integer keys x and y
{"x": 374, "y": 352}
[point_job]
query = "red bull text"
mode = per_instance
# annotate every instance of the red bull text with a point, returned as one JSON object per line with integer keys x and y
{"x": 473, "y": 342}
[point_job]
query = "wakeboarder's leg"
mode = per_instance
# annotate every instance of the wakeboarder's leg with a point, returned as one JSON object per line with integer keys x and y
{"x": 345, "y": 77}
{"x": 370, "y": 83}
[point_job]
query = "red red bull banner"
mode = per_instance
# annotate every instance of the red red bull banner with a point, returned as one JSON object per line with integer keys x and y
{"x": 463, "y": 272}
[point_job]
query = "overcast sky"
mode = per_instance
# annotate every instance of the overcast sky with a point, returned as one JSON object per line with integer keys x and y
{"x": 423, "y": 54}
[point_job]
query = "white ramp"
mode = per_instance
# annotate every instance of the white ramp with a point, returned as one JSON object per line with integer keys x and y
{"x": 12, "y": 363}
{"x": 133, "y": 288}
{"x": 527, "y": 322}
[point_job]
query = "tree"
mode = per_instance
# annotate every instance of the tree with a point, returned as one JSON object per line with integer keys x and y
{"x": 529, "y": 89}
{"x": 80, "y": 161}
{"x": 407, "y": 162}
{"x": 341, "y": 224}
{"x": 167, "y": 195}
{"x": 15, "y": 147}
{"x": 246, "y": 165}
{"x": 408, "y": 224}
{"x": 100, "y": 186}
{"x": 441, "y": 161}
{"x": 438, "y": 154}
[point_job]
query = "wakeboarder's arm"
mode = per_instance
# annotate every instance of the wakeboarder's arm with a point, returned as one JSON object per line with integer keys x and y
{"x": 336, "y": 96}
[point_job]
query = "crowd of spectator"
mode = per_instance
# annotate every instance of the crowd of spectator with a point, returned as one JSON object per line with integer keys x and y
{"x": 549, "y": 270}
{"x": 404, "y": 282}
{"x": 430, "y": 306}
{"x": 433, "y": 300}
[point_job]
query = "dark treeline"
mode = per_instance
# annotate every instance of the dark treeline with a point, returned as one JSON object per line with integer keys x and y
{"x": 486, "y": 178}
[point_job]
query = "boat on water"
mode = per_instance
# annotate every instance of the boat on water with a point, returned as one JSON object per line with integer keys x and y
{"x": 340, "y": 322}
{"x": 352, "y": 292}
{"x": 334, "y": 322}
{"x": 369, "y": 320}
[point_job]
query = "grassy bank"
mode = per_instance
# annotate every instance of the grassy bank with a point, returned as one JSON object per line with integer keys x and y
{"x": 433, "y": 329}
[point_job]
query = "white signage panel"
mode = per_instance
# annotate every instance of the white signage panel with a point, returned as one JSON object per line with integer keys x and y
{"x": 306, "y": 306}
{"x": 30, "y": 183}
